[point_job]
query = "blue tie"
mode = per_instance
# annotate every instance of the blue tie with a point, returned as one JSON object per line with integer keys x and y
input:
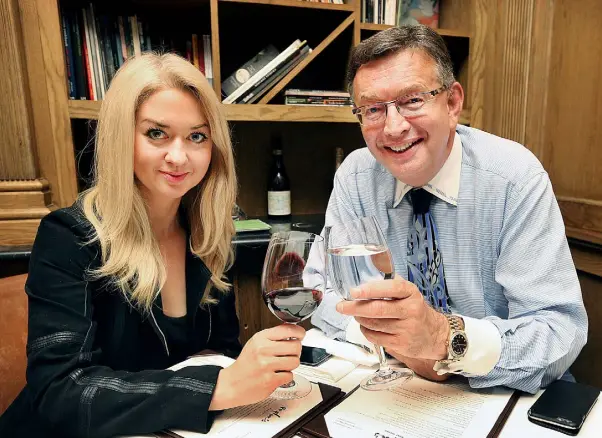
{"x": 425, "y": 264}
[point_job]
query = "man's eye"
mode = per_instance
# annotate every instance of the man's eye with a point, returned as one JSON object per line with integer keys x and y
{"x": 372, "y": 110}
{"x": 412, "y": 101}
{"x": 198, "y": 137}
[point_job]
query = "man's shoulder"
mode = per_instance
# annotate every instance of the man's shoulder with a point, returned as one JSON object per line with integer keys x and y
{"x": 497, "y": 156}
{"x": 360, "y": 160}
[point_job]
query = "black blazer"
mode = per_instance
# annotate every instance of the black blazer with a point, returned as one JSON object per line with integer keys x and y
{"x": 96, "y": 366}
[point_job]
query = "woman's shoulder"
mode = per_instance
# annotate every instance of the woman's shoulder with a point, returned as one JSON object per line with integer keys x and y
{"x": 66, "y": 231}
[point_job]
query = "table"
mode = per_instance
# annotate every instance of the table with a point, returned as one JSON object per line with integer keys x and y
{"x": 517, "y": 424}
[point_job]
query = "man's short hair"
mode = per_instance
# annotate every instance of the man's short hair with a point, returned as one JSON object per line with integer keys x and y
{"x": 397, "y": 39}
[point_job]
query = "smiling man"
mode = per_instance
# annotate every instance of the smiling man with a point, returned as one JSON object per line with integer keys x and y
{"x": 485, "y": 283}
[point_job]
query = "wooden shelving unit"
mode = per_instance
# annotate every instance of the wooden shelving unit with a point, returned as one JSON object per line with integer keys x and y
{"x": 268, "y": 108}
{"x": 85, "y": 109}
{"x": 55, "y": 152}
{"x": 297, "y": 4}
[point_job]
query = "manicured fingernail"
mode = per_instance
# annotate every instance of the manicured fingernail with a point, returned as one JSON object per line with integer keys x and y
{"x": 340, "y": 307}
{"x": 355, "y": 292}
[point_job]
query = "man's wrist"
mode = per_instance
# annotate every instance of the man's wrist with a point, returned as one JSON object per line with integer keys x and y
{"x": 442, "y": 339}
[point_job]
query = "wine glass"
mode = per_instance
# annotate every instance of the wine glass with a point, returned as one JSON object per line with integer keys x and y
{"x": 290, "y": 293}
{"x": 357, "y": 253}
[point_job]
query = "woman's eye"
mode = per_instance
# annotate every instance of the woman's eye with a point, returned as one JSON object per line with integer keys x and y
{"x": 198, "y": 137}
{"x": 156, "y": 134}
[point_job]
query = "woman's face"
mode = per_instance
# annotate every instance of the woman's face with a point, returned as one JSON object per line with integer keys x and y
{"x": 172, "y": 146}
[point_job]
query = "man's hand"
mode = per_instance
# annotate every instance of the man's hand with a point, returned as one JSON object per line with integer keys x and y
{"x": 422, "y": 367}
{"x": 393, "y": 314}
{"x": 265, "y": 363}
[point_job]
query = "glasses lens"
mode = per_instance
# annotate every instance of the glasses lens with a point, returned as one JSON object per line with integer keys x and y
{"x": 374, "y": 114}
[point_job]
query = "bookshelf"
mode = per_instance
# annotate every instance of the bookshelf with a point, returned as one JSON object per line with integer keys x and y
{"x": 88, "y": 110}
{"x": 238, "y": 30}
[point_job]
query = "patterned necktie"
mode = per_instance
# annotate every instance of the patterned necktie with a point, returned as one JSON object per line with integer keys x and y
{"x": 425, "y": 265}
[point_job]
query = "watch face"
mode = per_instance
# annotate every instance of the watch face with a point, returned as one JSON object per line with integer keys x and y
{"x": 459, "y": 344}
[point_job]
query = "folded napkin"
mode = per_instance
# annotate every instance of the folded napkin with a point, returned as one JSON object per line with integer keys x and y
{"x": 345, "y": 350}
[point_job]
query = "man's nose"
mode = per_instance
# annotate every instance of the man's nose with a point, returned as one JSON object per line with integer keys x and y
{"x": 395, "y": 123}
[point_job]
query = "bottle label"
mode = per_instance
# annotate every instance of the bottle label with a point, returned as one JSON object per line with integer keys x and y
{"x": 279, "y": 203}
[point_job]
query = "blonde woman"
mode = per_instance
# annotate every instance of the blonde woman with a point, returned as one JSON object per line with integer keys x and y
{"x": 130, "y": 279}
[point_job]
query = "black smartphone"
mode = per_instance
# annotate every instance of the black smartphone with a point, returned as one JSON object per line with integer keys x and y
{"x": 564, "y": 406}
{"x": 313, "y": 356}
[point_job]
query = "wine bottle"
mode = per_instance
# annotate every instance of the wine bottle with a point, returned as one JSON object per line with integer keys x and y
{"x": 279, "y": 189}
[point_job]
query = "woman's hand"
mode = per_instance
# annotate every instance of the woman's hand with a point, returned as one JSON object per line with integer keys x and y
{"x": 265, "y": 363}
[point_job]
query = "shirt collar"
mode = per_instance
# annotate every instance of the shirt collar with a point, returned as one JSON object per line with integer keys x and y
{"x": 446, "y": 184}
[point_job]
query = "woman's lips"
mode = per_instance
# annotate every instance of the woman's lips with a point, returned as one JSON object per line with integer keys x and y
{"x": 174, "y": 177}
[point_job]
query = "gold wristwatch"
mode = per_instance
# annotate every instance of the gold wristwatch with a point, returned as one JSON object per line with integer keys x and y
{"x": 457, "y": 344}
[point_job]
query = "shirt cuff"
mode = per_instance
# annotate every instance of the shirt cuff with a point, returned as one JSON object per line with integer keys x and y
{"x": 483, "y": 353}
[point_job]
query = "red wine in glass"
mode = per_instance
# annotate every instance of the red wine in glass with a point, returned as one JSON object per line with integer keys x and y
{"x": 288, "y": 290}
{"x": 293, "y": 304}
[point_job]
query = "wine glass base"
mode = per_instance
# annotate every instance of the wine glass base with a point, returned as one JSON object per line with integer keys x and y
{"x": 382, "y": 380}
{"x": 298, "y": 388}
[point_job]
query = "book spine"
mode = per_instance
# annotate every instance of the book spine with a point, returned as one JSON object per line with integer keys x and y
{"x": 189, "y": 51}
{"x": 141, "y": 36}
{"x": 77, "y": 39}
{"x": 201, "y": 56}
{"x": 90, "y": 63}
{"x": 135, "y": 35}
{"x": 208, "y": 59}
{"x": 109, "y": 63}
{"x": 256, "y": 77}
{"x": 122, "y": 40}
{"x": 293, "y": 59}
{"x": 260, "y": 91}
{"x": 116, "y": 41}
{"x": 149, "y": 46}
{"x": 195, "y": 50}
{"x": 98, "y": 68}
{"x": 65, "y": 23}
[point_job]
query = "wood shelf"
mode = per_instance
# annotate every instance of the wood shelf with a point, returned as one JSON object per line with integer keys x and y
{"x": 442, "y": 32}
{"x": 296, "y": 4}
{"x": 88, "y": 109}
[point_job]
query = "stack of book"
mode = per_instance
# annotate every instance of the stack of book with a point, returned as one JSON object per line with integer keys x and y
{"x": 317, "y": 97}
{"x": 259, "y": 74}
{"x": 97, "y": 45}
{"x": 401, "y": 12}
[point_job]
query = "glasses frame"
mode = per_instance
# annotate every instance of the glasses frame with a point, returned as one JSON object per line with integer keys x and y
{"x": 359, "y": 111}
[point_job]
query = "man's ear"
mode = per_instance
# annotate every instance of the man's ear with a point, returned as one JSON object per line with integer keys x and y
{"x": 455, "y": 102}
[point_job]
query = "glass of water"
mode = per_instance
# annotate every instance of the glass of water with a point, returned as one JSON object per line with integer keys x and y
{"x": 357, "y": 253}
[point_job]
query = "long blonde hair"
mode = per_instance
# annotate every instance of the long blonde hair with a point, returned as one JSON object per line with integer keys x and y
{"x": 114, "y": 206}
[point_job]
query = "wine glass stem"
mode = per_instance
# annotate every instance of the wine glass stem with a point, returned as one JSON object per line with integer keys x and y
{"x": 382, "y": 359}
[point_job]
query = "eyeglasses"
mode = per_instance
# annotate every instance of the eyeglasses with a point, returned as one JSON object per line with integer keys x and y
{"x": 411, "y": 105}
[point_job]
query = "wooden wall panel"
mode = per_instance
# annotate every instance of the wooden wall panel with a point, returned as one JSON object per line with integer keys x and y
{"x": 539, "y": 69}
{"x": 17, "y": 160}
{"x": 507, "y": 59}
{"x": 572, "y": 151}
{"x": 48, "y": 88}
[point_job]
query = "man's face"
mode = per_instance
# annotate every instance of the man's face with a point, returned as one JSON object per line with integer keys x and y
{"x": 412, "y": 148}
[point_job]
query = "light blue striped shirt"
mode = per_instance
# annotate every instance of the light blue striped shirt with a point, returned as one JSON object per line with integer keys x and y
{"x": 505, "y": 254}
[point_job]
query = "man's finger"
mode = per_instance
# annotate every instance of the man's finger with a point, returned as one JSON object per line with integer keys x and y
{"x": 373, "y": 308}
{"x": 383, "y": 325}
{"x": 385, "y": 340}
{"x": 397, "y": 288}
